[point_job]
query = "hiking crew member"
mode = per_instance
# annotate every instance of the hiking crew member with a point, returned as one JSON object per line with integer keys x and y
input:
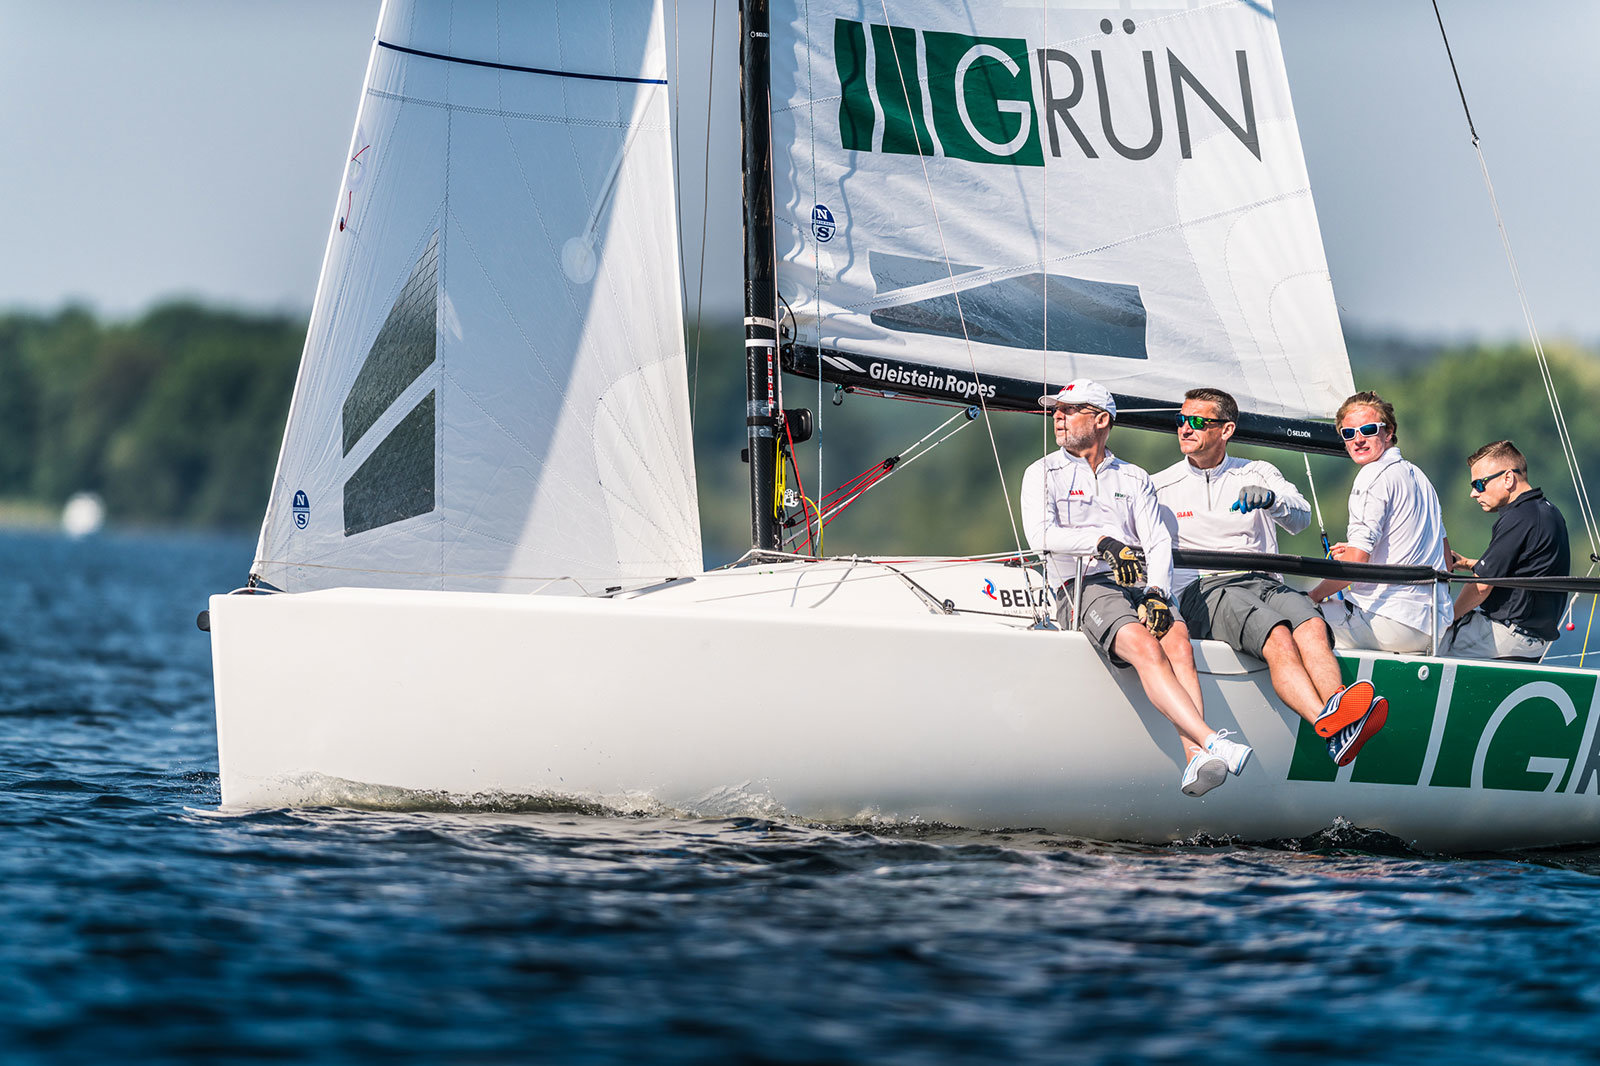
{"x": 1083, "y": 501}
{"x": 1394, "y": 520}
{"x": 1216, "y": 502}
{"x": 1529, "y": 539}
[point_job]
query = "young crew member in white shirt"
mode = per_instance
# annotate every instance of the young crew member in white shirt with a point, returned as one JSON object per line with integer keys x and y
{"x": 1216, "y": 502}
{"x": 1394, "y": 520}
{"x": 1083, "y": 501}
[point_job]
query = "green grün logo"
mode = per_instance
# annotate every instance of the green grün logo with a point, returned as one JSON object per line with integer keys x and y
{"x": 907, "y": 91}
{"x": 978, "y": 104}
{"x": 1460, "y": 725}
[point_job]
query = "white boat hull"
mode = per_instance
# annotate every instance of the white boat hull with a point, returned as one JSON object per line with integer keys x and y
{"x": 717, "y": 697}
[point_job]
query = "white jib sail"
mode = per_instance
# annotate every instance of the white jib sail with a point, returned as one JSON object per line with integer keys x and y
{"x": 1112, "y": 190}
{"x": 493, "y": 391}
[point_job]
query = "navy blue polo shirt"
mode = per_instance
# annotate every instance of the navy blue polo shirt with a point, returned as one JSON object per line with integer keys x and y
{"x": 1529, "y": 539}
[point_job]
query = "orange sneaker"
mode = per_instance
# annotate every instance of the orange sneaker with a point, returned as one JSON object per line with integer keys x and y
{"x": 1347, "y": 705}
{"x": 1344, "y": 747}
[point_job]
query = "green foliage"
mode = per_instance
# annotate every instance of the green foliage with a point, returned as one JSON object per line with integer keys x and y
{"x": 177, "y": 418}
{"x": 956, "y": 500}
{"x": 173, "y": 418}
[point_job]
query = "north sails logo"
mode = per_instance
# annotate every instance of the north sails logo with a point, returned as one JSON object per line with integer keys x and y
{"x": 907, "y": 91}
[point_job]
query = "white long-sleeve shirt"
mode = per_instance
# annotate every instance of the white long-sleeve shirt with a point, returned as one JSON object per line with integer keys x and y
{"x": 1196, "y": 505}
{"x": 1395, "y": 519}
{"x": 1067, "y": 508}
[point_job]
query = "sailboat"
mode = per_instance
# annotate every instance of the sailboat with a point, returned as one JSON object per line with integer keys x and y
{"x": 479, "y": 577}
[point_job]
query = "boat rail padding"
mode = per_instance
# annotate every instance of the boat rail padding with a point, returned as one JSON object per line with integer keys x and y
{"x": 1375, "y": 573}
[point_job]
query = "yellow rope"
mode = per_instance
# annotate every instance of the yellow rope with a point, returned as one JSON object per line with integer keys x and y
{"x": 778, "y": 485}
{"x": 1586, "y": 631}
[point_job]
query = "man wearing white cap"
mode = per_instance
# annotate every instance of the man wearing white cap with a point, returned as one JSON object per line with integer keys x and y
{"x": 1082, "y": 501}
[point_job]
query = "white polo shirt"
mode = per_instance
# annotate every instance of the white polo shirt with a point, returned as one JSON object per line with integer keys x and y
{"x": 1067, "y": 508}
{"x": 1197, "y": 506}
{"x": 1395, "y": 518}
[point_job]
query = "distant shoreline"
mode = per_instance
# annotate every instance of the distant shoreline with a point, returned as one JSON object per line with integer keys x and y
{"x": 29, "y": 515}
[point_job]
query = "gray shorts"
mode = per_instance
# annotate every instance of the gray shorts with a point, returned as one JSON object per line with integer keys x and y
{"x": 1107, "y": 607}
{"x": 1241, "y": 610}
{"x": 1476, "y": 636}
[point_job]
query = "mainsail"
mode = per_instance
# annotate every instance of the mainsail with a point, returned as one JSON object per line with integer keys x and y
{"x": 969, "y": 194}
{"x": 493, "y": 391}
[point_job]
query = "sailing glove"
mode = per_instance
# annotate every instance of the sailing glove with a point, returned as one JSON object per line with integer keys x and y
{"x": 1253, "y": 498}
{"x": 1156, "y": 613}
{"x": 1127, "y": 562}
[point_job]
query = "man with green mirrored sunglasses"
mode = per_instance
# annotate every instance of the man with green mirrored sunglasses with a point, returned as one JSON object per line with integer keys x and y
{"x": 1213, "y": 501}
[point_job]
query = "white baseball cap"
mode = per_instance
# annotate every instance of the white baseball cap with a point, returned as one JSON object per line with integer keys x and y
{"x": 1082, "y": 390}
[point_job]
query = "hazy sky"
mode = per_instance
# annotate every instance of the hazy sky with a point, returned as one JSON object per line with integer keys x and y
{"x": 165, "y": 147}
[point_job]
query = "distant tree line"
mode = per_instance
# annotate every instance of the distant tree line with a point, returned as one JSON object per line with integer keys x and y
{"x": 176, "y": 418}
{"x": 1449, "y": 400}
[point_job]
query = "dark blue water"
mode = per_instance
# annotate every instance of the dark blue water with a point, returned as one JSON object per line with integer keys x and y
{"x": 136, "y": 926}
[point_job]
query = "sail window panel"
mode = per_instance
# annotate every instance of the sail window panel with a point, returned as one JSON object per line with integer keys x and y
{"x": 1084, "y": 317}
{"x": 397, "y": 480}
{"x": 406, "y": 345}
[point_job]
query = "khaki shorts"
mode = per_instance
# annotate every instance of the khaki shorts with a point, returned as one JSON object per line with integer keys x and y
{"x": 1241, "y": 610}
{"x": 1476, "y": 636}
{"x": 1354, "y": 628}
{"x": 1107, "y": 607}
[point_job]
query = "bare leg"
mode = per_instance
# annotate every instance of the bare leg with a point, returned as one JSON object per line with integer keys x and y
{"x": 1317, "y": 657}
{"x": 1289, "y": 677}
{"x": 1180, "y": 653}
{"x": 1135, "y": 645}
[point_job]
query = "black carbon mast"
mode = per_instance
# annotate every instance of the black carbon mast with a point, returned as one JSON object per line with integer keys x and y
{"x": 762, "y": 385}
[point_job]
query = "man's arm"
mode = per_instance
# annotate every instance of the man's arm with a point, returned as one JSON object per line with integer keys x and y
{"x": 1470, "y": 596}
{"x": 1499, "y": 560}
{"x": 1153, "y": 537}
{"x": 1032, "y": 502}
{"x": 1290, "y": 510}
{"x": 1040, "y": 523}
{"x": 1344, "y": 553}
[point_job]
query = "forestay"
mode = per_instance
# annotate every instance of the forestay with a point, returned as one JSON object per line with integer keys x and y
{"x": 1046, "y": 191}
{"x": 493, "y": 390}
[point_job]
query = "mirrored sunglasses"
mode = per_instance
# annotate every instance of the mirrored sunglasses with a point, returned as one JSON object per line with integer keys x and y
{"x": 1481, "y": 483}
{"x": 1198, "y": 422}
{"x": 1368, "y": 430}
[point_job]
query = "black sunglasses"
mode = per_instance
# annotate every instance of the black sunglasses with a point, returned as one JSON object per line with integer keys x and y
{"x": 1198, "y": 422}
{"x": 1368, "y": 430}
{"x": 1481, "y": 483}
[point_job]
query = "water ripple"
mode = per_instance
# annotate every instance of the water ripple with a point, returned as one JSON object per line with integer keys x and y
{"x": 143, "y": 922}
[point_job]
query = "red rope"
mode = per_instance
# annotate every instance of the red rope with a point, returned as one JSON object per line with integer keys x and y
{"x": 810, "y": 537}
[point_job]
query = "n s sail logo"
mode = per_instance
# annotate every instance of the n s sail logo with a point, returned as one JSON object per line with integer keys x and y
{"x": 907, "y": 91}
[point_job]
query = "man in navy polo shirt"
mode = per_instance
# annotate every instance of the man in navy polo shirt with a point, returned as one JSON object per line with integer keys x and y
{"x": 1529, "y": 540}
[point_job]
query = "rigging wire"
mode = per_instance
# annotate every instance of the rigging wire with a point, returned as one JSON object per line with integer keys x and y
{"x": 677, "y": 169}
{"x": 829, "y": 506}
{"x": 1040, "y": 614}
{"x": 1569, "y": 452}
{"x": 944, "y": 252}
{"x": 1316, "y": 505}
{"x": 816, "y": 263}
{"x": 800, "y": 488}
{"x": 705, "y": 203}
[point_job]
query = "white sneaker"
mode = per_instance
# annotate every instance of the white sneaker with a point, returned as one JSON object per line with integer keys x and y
{"x": 1204, "y": 773}
{"x": 1232, "y": 752}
